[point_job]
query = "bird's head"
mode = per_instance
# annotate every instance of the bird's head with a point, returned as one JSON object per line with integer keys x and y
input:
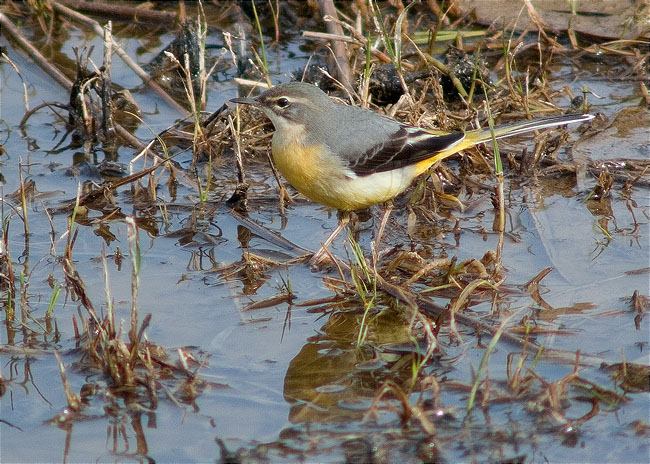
{"x": 293, "y": 103}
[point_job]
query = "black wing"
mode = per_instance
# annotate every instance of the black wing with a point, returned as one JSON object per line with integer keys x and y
{"x": 407, "y": 146}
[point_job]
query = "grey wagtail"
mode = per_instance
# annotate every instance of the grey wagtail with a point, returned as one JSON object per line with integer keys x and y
{"x": 350, "y": 158}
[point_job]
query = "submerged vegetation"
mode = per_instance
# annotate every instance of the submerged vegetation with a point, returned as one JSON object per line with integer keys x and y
{"x": 494, "y": 311}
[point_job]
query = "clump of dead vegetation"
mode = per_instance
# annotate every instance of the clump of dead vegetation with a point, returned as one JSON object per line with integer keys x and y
{"x": 137, "y": 370}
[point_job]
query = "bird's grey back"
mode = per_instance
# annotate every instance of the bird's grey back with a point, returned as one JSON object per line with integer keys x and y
{"x": 350, "y": 131}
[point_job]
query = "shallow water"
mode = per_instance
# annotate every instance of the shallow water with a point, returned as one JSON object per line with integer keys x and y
{"x": 285, "y": 383}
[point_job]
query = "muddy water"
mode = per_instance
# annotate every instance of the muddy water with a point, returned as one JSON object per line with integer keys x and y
{"x": 287, "y": 382}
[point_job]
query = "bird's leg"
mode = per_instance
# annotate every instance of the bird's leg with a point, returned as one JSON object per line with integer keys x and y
{"x": 388, "y": 208}
{"x": 344, "y": 219}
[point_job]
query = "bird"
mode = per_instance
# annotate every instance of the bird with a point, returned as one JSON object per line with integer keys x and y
{"x": 350, "y": 158}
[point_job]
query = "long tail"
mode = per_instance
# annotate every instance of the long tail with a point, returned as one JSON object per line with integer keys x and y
{"x": 510, "y": 130}
{"x": 474, "y": 137}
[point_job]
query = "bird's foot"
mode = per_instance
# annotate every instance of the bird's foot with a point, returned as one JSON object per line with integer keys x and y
{"x": 321, "y": 259}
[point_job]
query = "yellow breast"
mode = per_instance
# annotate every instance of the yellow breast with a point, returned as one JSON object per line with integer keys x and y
{"x": 323, "y": 177}
{"x": 309, "y": 170}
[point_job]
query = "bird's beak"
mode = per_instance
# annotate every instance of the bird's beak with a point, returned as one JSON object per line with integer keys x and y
{"x": 246, "y": 101}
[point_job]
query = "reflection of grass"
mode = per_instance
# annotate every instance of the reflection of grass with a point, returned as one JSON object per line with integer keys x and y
{"x": 133, "y": 365}
{"x": 484, "y": 363}
{"x": 23, "y": 199}
{"x": 365, "y": 285}
{"x": 6, "y": 265}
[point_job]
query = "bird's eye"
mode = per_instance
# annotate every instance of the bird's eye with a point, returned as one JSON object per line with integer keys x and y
{"x": 282, "y": 102}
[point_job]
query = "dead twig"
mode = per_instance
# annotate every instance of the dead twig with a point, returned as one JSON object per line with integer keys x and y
{"x": 141, "y": 73}
{"x": 271, "y": 237}
{"x": 343, "y": 71}
{"x": 124, "y": 12}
